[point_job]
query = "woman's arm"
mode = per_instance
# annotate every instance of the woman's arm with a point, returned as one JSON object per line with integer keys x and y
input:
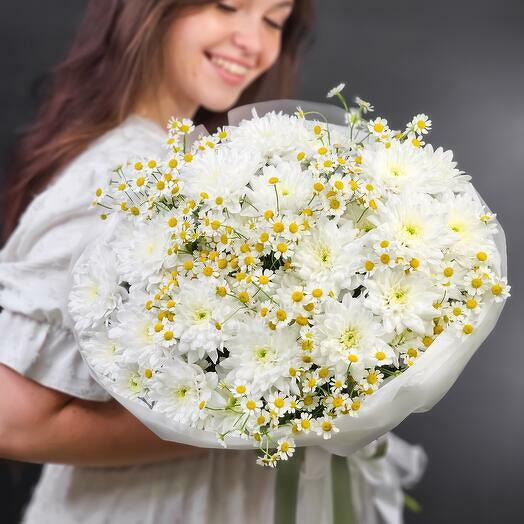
{"x": 38, "y": 424}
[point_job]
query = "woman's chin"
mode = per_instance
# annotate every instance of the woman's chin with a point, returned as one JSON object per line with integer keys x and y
{"x": 219, "y": 97}
{"x": 219, "y": 104}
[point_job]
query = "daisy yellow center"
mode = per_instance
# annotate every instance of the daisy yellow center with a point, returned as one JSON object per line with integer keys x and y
{"x": 496, "y": 289}
{"x": 412, "y": 352}
{"x": 467, "y": 329}
{"x": 297, "y": 296}
{"x": 279, "y": 402}
{"x": 263, "y": 279}
{"x": 327, "y": 426}
{"x": 308, "y": 400}
{"x": 471, "y": 303}
{"x": 338, "y": 402}
{"x": 372, "y": 378}
{"x": 476, "y": 283}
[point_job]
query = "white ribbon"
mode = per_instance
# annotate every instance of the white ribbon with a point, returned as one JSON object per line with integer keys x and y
{"x": 376, "y": 483}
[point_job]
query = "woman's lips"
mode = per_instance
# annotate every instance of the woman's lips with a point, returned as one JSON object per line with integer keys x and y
{"x": 230, "y": 71}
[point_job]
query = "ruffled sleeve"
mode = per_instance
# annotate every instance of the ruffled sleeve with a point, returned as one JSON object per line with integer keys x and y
{"x": 46, "y": 353}
{"x": 35, "y": 333}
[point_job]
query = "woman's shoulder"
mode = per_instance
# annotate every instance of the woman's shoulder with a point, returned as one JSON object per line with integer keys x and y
{"x": 63, "y": 211}
{"x": 135, "y": 136}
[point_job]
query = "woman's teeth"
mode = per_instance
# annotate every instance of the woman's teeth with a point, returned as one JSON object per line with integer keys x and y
{"x": 230, "y": 67}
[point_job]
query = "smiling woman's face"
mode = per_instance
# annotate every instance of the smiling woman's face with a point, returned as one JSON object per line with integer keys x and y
{"x": 213, "y": 52}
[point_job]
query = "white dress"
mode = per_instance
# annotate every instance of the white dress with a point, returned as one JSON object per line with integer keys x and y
{"x": 223, "y": 486}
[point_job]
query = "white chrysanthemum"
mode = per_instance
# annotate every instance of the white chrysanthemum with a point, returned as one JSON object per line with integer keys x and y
{"x": 129, "y": 381}
{"x": 283, "y": 187}
{"x": 443, "y": 174}
{"x": 274, "y": 135}
{"x": 414, "y": 222}
{"x": 141, "y": 248}
{"x": 199, "y": 313}
{"x": 221, "y": 174}
{"x": 330, "y": 255}
{"x": 261, "y": 357}
{"x": 347, "y": 334}
{"x": 403, "y": 301}
{"x": 398, "y": 167}
{"x": 96, "y": 291}
{"x": 131, "y": 331}
{"x": 468, "y": 232}
{"x": 101, "y": 352}
{"x": 182, "y": 391}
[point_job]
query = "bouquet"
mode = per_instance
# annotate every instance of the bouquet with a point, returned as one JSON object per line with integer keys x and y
{"x": 287, "y": 281}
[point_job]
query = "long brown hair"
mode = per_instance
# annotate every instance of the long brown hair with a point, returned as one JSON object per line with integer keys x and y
{"x": 96, "y": 87}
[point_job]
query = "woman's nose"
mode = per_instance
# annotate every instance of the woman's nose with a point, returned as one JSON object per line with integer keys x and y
{"x": 248, "y": 37}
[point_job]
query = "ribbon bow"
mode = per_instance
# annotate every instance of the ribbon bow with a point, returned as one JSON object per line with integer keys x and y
{"x": 317, "y": 486}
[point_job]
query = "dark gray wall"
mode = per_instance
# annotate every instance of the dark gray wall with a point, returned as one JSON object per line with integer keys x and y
{"x": 463, "y": 64}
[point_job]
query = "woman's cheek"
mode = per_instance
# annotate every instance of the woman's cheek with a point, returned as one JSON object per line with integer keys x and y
{"x": 271, "y": 53}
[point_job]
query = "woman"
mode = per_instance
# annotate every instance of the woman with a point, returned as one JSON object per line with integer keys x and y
{"x": 133, "y": 64}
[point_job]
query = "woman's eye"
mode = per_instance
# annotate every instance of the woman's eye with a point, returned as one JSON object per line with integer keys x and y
{"x": 226, "y": 7}
{"x": 273, "y": 24}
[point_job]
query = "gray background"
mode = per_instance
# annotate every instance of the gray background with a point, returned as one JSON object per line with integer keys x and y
{"x": 463, "y": 64}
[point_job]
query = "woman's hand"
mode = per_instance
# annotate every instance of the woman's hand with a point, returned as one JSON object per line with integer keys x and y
{"x": 38, "y": 424}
